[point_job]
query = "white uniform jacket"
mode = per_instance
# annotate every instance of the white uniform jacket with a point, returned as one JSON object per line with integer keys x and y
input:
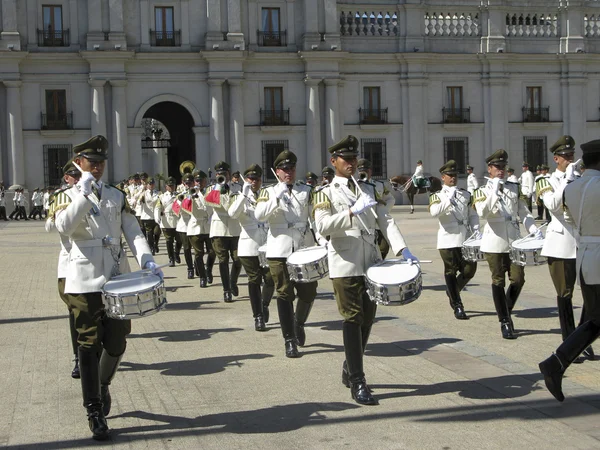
{"x": 351, "y": 250}
{"x": 419, "y": 172}
{"x": 458, "y": 220}
{"x": 184, "y": 216}
{"x": 527, "y": 183}
{"x": 37, "y": 198}
{"x": 502, "y": 212}
{"x": 148, "y": 201}
{"x": 584, "y": 212}
{"x": 46, "y": 200}
{"x": 472, "y": 183}
{"x": 163, "y": 211}
{"x": 65, "y": 242}
{"x": 513, "y": 179}
{"x": 221, "y": 225}
{"x": 253, "y": 233}
{"x": 95, "y": 227}
{"x": 200, "y": 217}
{"x": 288, "y": 219}
{"x": 560, "y": 240}
{"x": 3, "y": 199}
{"x": 137, "y": 196}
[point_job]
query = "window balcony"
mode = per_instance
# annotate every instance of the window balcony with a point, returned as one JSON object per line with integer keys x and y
{"x": 274, "y": 117}
{"x": 272, "y": 38}
{"x": 53, "y": 38}
{"x": 165, "y": 38}
{"x": 57, "y": 121}
{"x": 373, "y": 116}
{"x": 536, "y": 114}
{"x": 456, "y": 115}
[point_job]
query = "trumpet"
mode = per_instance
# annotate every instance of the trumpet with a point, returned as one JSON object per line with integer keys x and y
{"x": 363, "y": 176}
{"x": 221, "y": 179}
{"x": 180, "y": 197}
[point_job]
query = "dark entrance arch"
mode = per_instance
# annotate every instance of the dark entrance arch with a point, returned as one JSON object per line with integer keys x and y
{"x": 179, "y": 122}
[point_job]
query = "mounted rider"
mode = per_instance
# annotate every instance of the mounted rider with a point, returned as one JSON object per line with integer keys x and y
{"x": 419, "y": 179}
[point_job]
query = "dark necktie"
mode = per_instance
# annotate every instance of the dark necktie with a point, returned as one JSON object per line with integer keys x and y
{"x": 352, "y": 186}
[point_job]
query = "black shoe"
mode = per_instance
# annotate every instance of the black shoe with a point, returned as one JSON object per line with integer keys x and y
{"x": 156, "y": 249}
{"x": 209, "y": 278}
{"x": 291, "y": 351}
{"x": 235, "y": 290}
{"x": 75, "y": 372}
{"x": 227, "y": 297}
{"x": 191, "y": 274}
{"x": 300, "y": 334}
{"x": 153, "y": 252}
{"x": 588, "y": 353}
{"x": 259, "y": 324}
{"x": 361, "y": 393}
{"x": 266, "y": 313}
{"x": 106, "y": 400}
{"x": 553, "y": 371}
{"x": 506, "y": 329}
{"x": 98, "y": 425}
{"x": 177, "y": 259}
{"x": 171, "y": 263}
{"x": 203, "y": 283}
{"x": 345, "y": 376}
{"x": 460, "y": 314}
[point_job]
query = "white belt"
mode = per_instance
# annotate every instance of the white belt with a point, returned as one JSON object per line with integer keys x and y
{"x": 283, "y": 226}
{"x": 106, "y": 242}
{"x": 589, "y": 239}
{"x": 356, "y": 233}
{"x": 499, "y": 219}
{"x": 254, "y": 226}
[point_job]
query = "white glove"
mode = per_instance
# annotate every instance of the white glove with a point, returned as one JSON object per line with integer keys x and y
{"x": 322, "y": 242}
{"x": 572, "y": 170}
{"x": 496, "y": 185}
{"x": 363, "y": 203}
{"x": 478, "y": 235}
{"x": 452, "y": 192}
{"x": 246, "y": 189}
{"x": 151, "y": 265}
{"x": 409, "y": 257}
{"x": 537, "y": 233}
{"x": 85, "y": 183}
{"x": 280, "y": 190}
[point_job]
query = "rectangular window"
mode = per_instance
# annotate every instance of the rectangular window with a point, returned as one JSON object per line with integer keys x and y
{"x": 535, "y": 151}
{"x": 52, "y": 18}
{"x": 374, "y": 150}
{"x": 454, "y": 98}
{"x": 458, "y": 150}
{"x": 52, "y": 34}
{"x": 56, "y": 117}
{"x": 274, "y": 98}
{"x": 372, "y": 97}
{"x": 270, "y": 150}
{"x": 534, "y": 97}
{"x": 273, "y": 113}
{"x": 55, "y": 157}
{"x": 164, "y": 28}
{"x": 270, "y": 34}
{"x": 372, "y": 113}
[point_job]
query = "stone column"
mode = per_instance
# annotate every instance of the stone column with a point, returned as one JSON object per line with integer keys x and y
{"x": 234, "y": 23}
{"x": 498, "y": 112}
{"x": 10, "y": 33}
{"x": 236, "y": 137}
{"x": 332, "y": 24}
{"x": 115, "y": 8}
{"x": 98, "y": 111}
{"x": 332, "y": 112}
{"x": 185, "y": 23}
{"x": 495, "y": 28}
{"x": 311, "y": 24}
{"x": 120, "y": 144}
{"x": 217, "y": 127}
{"x": 95, "y": 15}
{"x": 15, "y": 132}
{"x": 214, "y": 27}
{"x": 313, "y": 155}
{"x": 74, "y": 22}
{"x": 291, "y": 22}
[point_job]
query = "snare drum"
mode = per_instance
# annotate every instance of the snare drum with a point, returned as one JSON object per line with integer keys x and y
{"x": 394, "y": 281}
{"x": 470, "y": 250}
{"x": 308, "y": 264}
{"x": 134, "y": 295}
{"x": 262, "y": 256}
{"x": 527, "y": 252}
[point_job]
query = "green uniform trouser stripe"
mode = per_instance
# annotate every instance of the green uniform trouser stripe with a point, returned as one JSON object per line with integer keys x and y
{"x": 224, "y": 247}
{"x": 563, "y": 273}
{"x": 95, "y": 330}
{"x": 353, "y": 302}
{"x": 500, "y": 264}
{"x": 454, "y": 263}
{"x": 285, "y": 287}
{"x": 255, "y": 272}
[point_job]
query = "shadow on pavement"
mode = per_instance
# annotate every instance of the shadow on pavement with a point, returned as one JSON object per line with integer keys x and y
{"x": 336, "y": 325}
{"x": 32, "y": 319}
{"x": 181, "y": 306}
{"x": 406, "y": 348}
{"x": 537, "y": 313}
{"x": 185, "y": 335}
{"x": 194, "y": 367}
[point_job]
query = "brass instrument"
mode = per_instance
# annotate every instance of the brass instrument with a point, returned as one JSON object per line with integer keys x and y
{"x": 363, "y": 176}
{"x": 187, "y": 167}
{"x": 221, "y": 179}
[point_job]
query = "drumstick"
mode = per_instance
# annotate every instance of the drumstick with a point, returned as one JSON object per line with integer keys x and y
{"x": 150, "y": 270}
{"x": 291, "y": 193}
{"x": 363, "y": 192}
{"x": 501, "y": 179}
{"x": 95, "y": 183}
{"x": 539, "y": 228}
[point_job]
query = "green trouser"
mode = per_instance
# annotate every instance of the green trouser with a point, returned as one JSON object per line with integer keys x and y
{"x": 201, "y": 243}
{"x": 256, "y": 273}
{"x": 95, "y": 330}
{"x": 455, "y": 264}
{"x": 72, "y": 329}
{"x": 226, "y": 246}
{"x": 353, "y": 302}
{"x": 500, "y": 264}
{"x": 563, "y": 274}
{"x": 285, "y": 287}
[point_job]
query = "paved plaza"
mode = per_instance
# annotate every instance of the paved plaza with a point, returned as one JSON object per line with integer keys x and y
{"x": 197, "y": 375}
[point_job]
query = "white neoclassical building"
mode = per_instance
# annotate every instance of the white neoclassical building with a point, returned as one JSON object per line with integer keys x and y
{"x": 240, "y": 80}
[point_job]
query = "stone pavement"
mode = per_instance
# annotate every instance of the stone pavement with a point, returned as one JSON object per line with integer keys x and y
{"x": 197, "y": 375}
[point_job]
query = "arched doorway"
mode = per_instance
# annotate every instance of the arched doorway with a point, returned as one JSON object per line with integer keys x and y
{"x": 179, "y": 123}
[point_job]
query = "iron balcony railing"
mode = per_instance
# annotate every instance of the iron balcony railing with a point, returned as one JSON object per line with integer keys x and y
{"x": 53, "y": 38}
{"x": 456, "y": 115}
{"x": 272, "y": 38}
{"x": 536, "y": 114}
{"x": 57, "y": 121}
{"x": 165, "y": 38}
{"x": 274, "y": 116}
{"x": 373, "y": 116}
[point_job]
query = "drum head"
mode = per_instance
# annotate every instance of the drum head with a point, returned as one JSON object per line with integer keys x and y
{"x": 131, "y": 282}
{"x": 528, "y": 244}
{"x": 307, "y": 255}
{"x": 262, "y": 249}
{"x": 472, "y": 243}
{"x": 393, "y": 272}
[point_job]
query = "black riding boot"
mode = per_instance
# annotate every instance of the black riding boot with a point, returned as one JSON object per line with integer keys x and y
{"x": 286, "y": 319}
{"x": 257, "y": 307}
{"x": 502, "y": 311}
{"x": 178, "y": 246}
{"x": 267, "y": 295}
{"x": 302, "y": 312}
{"x": 200, "y": 270}
{"x": 512, "y": 295}
{"x": 353, "y": 349}
{"x": 189, "y": 262}
{"x": 588, "y": 352}
{"x": 565, "y": 316}
{"x": 365, "y": 333}
{"x": 554, "y": 367}
{"x": 454, "y": 296}
{"x": 108, "y": 368}
{"x": 151, "y": 243}
{"x": 236, "y": 268}
{"x": 224, "y": 272}
{"x": 74, "y": 335}
{"x": 90, "y": 386}
{"x": 170, "y": 252}
{"x": 210, "y": 262}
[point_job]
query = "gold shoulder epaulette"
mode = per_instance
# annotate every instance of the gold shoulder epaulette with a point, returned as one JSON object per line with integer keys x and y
{"x": 320, "y": 200}
{"x": 61, "y": 201}
{"x": 541, "y": 186}
{"x": 478, "y": 196}
{"x": 433, "y": 199}
{"x": 263, "y": 196}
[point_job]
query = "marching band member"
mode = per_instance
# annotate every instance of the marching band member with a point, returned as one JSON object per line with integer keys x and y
{"x": 198, "y": 229}
{"x": 418, "y": 177}
{"x": 37, "y": 199}
{"x": 182, "y": 224}
{"x": 3, "y": 203}
{"x": 167, "y": 219}
{"x": 351, "y": 251}
{"x": 458, "y": 221}
{"x": 511, "y": 176}
{"x": 472, "y": 182}
{"x": 224, "y": 231}
{"x": 542, "y": 172}
{"x": 327, "y": 175}
{"x": 147, "y": 200}
{"x": 311, "y": 179}
{"x": 582, "y": 202}
{"x": 253, "y": 235}
{"x": 94, "y": 215}
{"x": 527, "y": 182}
{"x": 560, "y": 245}
{"x": 287, "y": 208}
{"x": 500, "y": 204}
{"x": 46, "y": 201}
